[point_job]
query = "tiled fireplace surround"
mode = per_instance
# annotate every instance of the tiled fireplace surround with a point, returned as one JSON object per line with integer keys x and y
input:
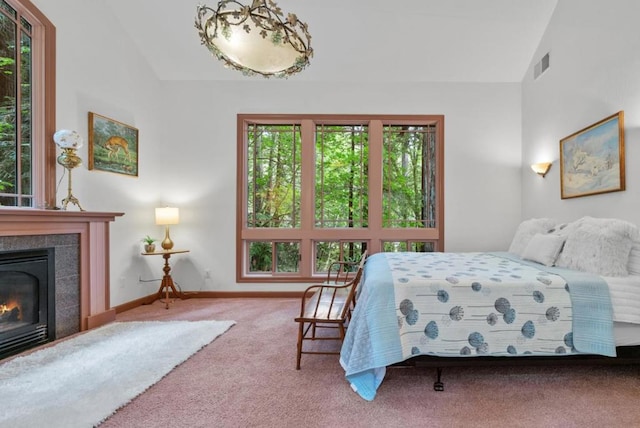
{"x": 81, "y": 242}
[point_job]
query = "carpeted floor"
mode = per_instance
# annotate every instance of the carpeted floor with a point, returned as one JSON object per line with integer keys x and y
{"x": 247, "y": 378}
{"x": 81, "y": 381}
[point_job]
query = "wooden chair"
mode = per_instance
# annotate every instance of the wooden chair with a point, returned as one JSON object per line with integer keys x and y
{"x": 328, "y": 305}
{"x": 341, "y": 272}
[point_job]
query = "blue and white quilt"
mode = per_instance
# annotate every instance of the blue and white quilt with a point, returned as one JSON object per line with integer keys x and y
{"x": 470, "y": 304}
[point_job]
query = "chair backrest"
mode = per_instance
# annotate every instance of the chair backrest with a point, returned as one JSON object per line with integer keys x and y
{"x": 341, "y": 272}
{"x": 363, "y": 259}
{"x": 351, "y": 297}
{"x": 355, "y": 282}
{"x": 332, "y": 301}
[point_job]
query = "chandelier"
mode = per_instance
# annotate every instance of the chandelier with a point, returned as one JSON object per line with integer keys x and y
{"x": 255, "y": 39}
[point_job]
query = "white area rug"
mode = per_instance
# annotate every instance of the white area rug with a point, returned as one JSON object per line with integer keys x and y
{"x": 82, "y": 381}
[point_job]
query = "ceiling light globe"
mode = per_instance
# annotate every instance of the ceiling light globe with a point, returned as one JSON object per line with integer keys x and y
{"x": 255, "y": 39}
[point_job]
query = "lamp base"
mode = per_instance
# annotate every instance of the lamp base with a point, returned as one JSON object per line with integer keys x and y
{"x": 167, "y": 243}
{"x": 73, "y": 200}
{"x": 69, "y": 160}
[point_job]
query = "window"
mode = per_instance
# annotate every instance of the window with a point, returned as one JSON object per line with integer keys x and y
{"x": 27, "y": 106}
{"x": 313, "y": 189}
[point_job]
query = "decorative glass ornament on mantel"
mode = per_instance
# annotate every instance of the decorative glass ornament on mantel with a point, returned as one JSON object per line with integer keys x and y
{"x": 69, "y": 142}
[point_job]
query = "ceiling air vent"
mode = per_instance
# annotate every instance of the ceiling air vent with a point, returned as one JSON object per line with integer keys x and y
{"x": 541, "y": 66}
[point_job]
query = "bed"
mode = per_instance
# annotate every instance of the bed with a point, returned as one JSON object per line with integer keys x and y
{"x": 561, "y": 291}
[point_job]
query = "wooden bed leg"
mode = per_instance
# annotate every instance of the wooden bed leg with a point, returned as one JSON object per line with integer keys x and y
{"x": 438, "y": 385}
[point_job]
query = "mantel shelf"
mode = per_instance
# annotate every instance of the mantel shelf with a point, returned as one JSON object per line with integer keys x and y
{"x": 32, "y": 214}
{"x": 93, "y": 228}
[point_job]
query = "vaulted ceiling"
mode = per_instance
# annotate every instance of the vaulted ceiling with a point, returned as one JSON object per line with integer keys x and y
{"x": 361, "y": 40}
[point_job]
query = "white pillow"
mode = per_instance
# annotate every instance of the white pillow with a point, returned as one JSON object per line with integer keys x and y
{"x": 543, "y": 248}
{"x": 599, "y": 246}
{"x": 525, "y": 232}
{"x": 565, "y": 229}
{"x": 633, "y": 266}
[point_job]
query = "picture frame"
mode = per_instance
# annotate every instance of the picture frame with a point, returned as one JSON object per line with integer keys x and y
{"x": 592, "y": 159}
{"x": 113, "y": 146}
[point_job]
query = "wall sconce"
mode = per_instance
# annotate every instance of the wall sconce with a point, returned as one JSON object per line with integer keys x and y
{"x": 541, "y": 168}
{"x": 166, "y": 216}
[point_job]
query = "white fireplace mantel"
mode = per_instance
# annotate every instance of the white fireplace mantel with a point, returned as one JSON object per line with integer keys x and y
{"x": 93, "y": 228}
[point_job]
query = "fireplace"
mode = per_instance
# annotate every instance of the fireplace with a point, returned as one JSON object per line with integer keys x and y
{"x": 27, "y": 299}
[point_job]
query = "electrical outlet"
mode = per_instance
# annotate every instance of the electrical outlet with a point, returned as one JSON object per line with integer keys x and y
{"x": 207, "y": 274}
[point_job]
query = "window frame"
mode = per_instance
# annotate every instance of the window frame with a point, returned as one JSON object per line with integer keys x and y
{"x": 374, "y": 234}
{"x": 43, "y": 91}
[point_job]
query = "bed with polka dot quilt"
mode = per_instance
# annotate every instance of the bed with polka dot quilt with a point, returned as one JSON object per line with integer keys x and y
{"x": 470, "y": 304}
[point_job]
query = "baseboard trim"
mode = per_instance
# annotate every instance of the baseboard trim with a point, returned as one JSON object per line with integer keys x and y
{"x": 101, "y": 319}
{"x": 132, "y": 304}
{"x": 212, "y": 295}
{"x": 249, "y": 294}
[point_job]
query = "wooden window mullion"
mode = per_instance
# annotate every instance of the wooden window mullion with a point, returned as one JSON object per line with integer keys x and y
{"x": 376, "y": 149}
{"x": 307, "y": 190}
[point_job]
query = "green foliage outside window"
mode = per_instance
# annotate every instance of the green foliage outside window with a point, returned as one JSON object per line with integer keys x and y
{"x": 329, "y": 252}
{"x": 262, "y": 254}
{"x": 409, "y": 177}
{"x": 15, "y": 147}
{"x": 274, "y": 176}
{"x": 342, "y": 187}
{"x": 341, "y": 190}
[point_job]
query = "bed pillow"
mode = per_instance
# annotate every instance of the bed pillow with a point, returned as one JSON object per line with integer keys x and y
{"x": 633, "y": 266}
{"x": 564, "y": 230}
{"x": 599, "y": 246}
{"x": 526, "y": 230}
{"x": 543, "y": 248}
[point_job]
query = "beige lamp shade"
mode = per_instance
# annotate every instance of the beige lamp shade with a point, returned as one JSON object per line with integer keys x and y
{"x": 167, "y": 215}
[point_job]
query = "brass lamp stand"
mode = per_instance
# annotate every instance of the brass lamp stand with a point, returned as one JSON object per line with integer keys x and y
{"x": 69, "y": 142}
{"x": 69, "y": 160}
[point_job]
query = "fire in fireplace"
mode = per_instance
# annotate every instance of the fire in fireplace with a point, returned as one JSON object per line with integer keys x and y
{"x": 27, "y": 299}
{"x": 10, "y": 312}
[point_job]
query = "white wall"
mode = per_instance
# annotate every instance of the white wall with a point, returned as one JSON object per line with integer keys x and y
{"x": 482, "y": 156}
{"x": 98, "y": 70}
{"x": 188, "y": 149}
{"x": 594, "y": 73}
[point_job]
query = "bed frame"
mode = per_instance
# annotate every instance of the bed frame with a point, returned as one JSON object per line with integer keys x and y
{"x": 625, "y": 355}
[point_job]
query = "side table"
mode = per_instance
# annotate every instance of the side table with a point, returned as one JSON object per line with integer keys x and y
{"x": 167, "y": 282}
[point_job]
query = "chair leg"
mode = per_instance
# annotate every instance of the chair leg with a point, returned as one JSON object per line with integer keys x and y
{"x": 341, "y": 326}
{"x": 300, "y": 334}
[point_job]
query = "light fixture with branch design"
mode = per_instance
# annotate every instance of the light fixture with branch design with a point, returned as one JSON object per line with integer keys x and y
{"x": 255, "y": 39}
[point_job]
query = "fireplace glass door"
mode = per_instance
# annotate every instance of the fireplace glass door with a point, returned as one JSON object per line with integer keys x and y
{"x": 19, "y": 299}
{"x": 26, "y": 300}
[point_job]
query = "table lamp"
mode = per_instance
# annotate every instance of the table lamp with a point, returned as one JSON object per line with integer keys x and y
{"x": 69, "y": 142}
{"x": 166, "y": 216}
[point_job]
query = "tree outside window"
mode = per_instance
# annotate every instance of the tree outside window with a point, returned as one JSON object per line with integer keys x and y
{"x": 27, "y": 107}
{"x": 316, "y": 189}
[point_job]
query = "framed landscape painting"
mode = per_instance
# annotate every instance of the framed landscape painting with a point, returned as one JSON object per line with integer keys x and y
{"x": 113, "y": 146}
{"x": 592, "y": 159}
